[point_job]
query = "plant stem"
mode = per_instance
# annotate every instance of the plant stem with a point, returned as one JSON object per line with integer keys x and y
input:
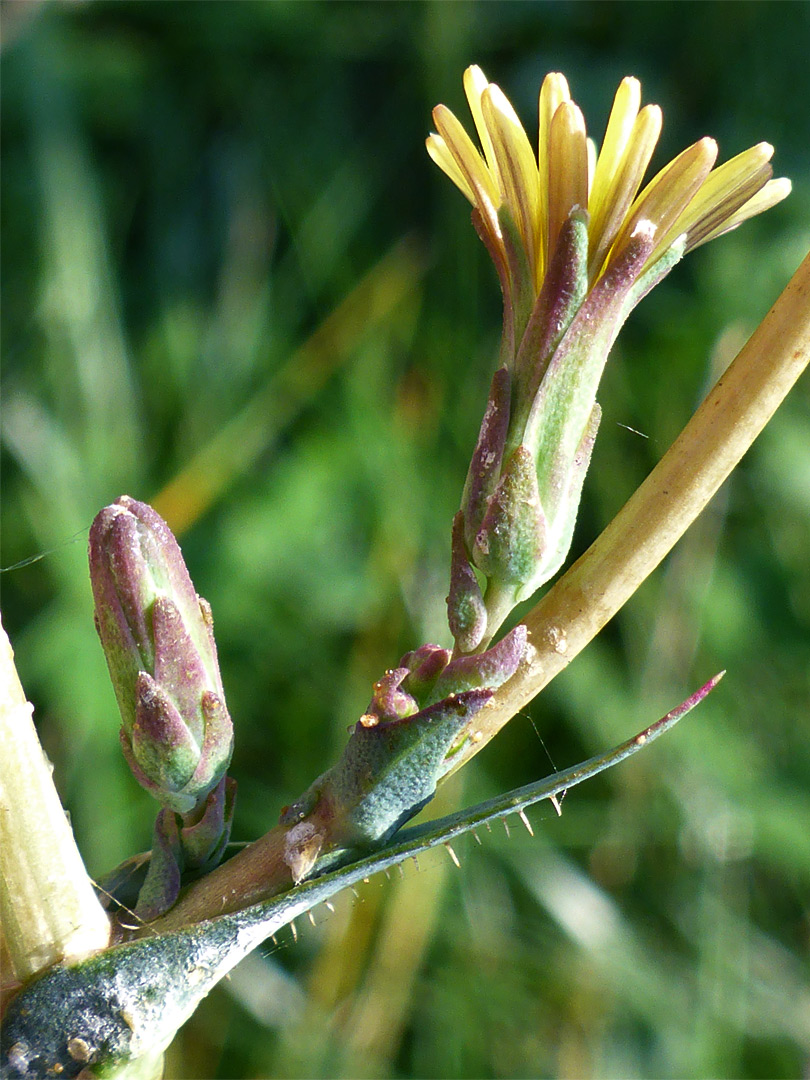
{"x": 256, "y": 873}
{"x": 48, "y": 909}
{"x": 655, "y": 517}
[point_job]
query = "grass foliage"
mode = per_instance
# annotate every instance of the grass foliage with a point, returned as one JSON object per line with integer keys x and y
{"x": 234, "y": 286}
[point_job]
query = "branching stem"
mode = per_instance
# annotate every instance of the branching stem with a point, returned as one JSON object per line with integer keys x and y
{"x": 596, "y": 586}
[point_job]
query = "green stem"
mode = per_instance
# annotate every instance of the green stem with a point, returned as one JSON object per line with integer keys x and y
{"x": 48, "y": 909}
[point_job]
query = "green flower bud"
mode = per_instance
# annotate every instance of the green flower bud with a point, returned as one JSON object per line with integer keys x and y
{"x": 157, "y": 636}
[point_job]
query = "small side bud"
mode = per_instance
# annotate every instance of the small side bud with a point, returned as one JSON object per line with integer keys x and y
{"x": 388, "y": 701}
{"x": 490, "y": 669}
{"x": 425, "y": 665}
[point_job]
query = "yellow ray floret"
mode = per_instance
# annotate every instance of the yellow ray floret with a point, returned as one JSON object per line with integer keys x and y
{"x": 687, "y": 198}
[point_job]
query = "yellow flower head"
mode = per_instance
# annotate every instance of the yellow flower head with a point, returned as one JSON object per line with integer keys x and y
{"x": 523, "y": 200}
{"x": 576, "y": 242}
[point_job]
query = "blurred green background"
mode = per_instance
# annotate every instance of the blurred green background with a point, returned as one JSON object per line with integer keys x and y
{"x": 235, "y": 286}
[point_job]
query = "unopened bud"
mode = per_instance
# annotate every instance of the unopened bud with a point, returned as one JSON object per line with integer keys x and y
{"x": 157, "y": 636}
